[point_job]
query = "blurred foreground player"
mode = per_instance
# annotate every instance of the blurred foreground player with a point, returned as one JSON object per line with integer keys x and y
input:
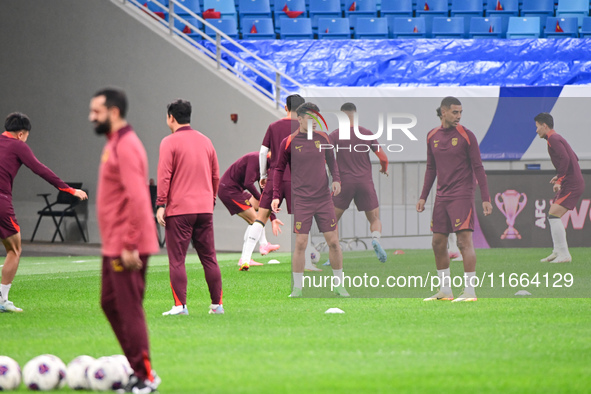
{"x": 188, "y": 180}
{"x": 238, "y": 191}
{"x": 312, "y": 195}
{"x": 128, "y": 232}
{"x": 356, "y": 178}
{"x": 454, "y": 158}
{"x": 13, "y": 153}
{"x": 568, "y": 185}
{"x": 276, "y": 132}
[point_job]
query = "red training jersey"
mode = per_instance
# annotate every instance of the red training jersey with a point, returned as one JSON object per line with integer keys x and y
{"x": 308, "y": 171}
{"x": 565, "y": 160}
{"x": 277, "y": 132}
{"x": 353, "y": 156}
{"x": 13, "y": 154}
{"x": 188, "y": 173}
{"x": 123, "y": 206}
{"x": 453, "y": 156}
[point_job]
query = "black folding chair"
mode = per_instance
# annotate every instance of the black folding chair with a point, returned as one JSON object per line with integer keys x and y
{"x": 153, "y": 196}
{"x": 64, "y": 206}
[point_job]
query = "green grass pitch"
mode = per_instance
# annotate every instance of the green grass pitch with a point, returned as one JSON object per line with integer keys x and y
{"x": 269, "y": 343}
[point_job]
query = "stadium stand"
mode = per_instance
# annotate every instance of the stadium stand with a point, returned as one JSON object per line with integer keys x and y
{"x": 371, "y": 28}
{"x": 573, "y": 8}
{"x": 561, "y": 27}
{"x": 524, "y": 27}
{"x": 489, "y": 27}
{"x": 334, "y": 28}
{"x": 431, "y": 9}
{"x": 254, "y": 8}
{"x": 227, "y": 8}
{"x": 448, "y": 27}
{"x": 296, "y": 29}
{"x": 467, "y": 9}
{"x": 260, "y": 29}
{"x": 396, "y": 8}
{"x": 409, "y": 28}
{"x": 391, "y": 10}
{"x": 227, "y": 26}
{"x": 324, "y": 9}
{"x": 356, "y": 8}
{"x": 586, "y": 28}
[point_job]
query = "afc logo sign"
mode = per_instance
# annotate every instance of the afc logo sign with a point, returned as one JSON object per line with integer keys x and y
{"x": 575, "y": 216}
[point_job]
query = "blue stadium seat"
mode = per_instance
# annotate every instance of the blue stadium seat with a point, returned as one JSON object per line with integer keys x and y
{"x": 527, "y": 27}
{"x": 263, "y": 26}
{"x": 540, "y": 8}
{"x": 396, "y": 8}
{"x": 573, "y": 8}
{"x": 189, "y": 27}
{"x": 158, "y": 6}
{"x": 467, "y": 9}
{"x": 226, "y": 7}
{"x": 503, "y": 9}
{"x": 365, "y": 8}
{"x": 585, "y": 31}
{"x": 569, "y": 26}
{"x": 254, "y": 9}
{"x": 227, "y": 26}
{"x": 334, "y": 28}
{"x": 192, "y": 5}
{"x": 371, "y": 28}
{"x": 292, "y": 6}
{"x": 448, "y": 27}
{"x": 487, "y": 27}
{"x": 430, "y": 9}
{"x": 324, "y": 9}
{"x": 296, "y": 29}
{"x": 409, "y": 28}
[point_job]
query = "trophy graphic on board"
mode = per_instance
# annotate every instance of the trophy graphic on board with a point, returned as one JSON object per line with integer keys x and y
{"x": 511, "y": 203}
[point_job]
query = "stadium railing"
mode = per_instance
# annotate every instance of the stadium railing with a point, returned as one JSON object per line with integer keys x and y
{"x": 264, "y": 70}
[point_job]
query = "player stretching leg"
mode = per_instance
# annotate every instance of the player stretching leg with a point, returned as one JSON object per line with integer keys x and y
{"x": 13, "y": 153}
{"x": 312, "y": 197}
{"x": 568, "y": 185}
{"x": 276, "y": 132}
{"x": 241, "y": 197}
{"x": 454, "y": 158}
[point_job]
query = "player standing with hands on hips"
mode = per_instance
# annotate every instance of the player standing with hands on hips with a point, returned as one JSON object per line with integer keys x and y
{"x": 454, "y": 158}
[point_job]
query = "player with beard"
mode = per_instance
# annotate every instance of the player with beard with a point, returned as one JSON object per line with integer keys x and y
{"x": 127, "y": 228}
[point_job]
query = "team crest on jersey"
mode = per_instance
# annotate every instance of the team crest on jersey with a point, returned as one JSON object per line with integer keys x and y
{"x": 105, "y": 156}
{"x": 317, "y": 143}
{"x": 435, "y": 143}
{"x": 454, "y": 141}
{"x": 117, "y": 267}
{"x": 298, "y": 225}
{"x": 247, "y": 202}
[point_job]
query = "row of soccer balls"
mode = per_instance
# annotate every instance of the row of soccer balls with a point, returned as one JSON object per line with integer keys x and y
{"x": 48, "y": 372}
